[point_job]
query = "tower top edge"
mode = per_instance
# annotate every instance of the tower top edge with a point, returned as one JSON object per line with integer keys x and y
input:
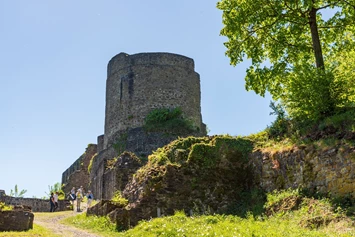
{"x": 123, "y": 60}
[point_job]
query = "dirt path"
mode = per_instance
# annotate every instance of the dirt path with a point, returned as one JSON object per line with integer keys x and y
{"x": 51, "y": 221}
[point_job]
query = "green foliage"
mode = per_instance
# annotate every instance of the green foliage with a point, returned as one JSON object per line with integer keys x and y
{"x": 176, "y": 151}
{"x": 170, "y": 121}
{"x": 288, "y": 43}
{"x": 37, "y": 231}
{"x": 4, "y": 207}
{"x": 57, "y": 187}
{"x": 17, "y": 193}
{"x": 91, "y": 162}
{"x": 308, "y": 93}
{"x": 313, "y": 217}
{"x": 204, "y": 151}
{"x": 95, "y": 223}
{"x": 279, "y": 127}
{"x": 117, "y": 197}
{"x": 276, "y": 196}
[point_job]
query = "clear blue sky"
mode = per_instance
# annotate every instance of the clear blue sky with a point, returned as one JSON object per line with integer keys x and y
{"x": 53, "y": 59}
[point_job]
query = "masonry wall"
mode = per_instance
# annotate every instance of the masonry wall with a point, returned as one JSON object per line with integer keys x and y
{"x": 37, "y": 205}
{"x": 98, "y": 170}
{"x": 77, "y": 174}
{"x": 327, "y": 170}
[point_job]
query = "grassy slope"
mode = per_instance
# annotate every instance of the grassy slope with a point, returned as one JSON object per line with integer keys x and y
{"x": 310, "y": 217}
{"x": 307, "y": 217}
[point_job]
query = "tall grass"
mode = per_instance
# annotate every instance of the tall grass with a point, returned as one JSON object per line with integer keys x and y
{"x": 311, "y": 217}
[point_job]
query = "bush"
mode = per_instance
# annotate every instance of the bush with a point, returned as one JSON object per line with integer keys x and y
{"x": 169, "y": 121}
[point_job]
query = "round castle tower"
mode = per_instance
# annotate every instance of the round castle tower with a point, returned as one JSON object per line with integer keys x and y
{"x": 136, "y": 84}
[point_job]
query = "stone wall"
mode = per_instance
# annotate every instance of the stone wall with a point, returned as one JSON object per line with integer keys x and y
{"x": 77, "y": 174}
{"x": 36, "y": 204}
{"x": 137, "y": 84}
{"x": 327, "y": 170}
{"x": 119, "y": 173}
{"x": 98, "y": 170}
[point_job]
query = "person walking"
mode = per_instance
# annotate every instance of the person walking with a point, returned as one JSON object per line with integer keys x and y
{"x": 55, "y": 197}
{"x": 90, "y": 197}
{"x": 51, "y": 201}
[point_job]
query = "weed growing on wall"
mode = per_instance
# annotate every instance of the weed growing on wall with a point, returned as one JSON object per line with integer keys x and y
{"x": 118, "y": 198}
{"x": 169, "y": 121}
{"x": 4, "y": 207}
{"x": 91, "y": 162}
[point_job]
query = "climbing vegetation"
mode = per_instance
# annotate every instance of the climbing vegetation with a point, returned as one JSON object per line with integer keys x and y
{"x": 171, "y": 121}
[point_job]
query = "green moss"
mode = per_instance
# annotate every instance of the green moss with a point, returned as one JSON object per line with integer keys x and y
{"x": 205, "y": 155}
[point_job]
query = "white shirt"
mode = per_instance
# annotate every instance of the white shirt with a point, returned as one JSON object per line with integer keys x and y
{"x": 55, "y": 196}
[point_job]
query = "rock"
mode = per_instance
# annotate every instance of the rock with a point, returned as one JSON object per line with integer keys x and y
{"x": 16, "y": 220}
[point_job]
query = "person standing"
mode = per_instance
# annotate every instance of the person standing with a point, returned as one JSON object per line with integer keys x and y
{"x": 51, "y": 200}
{"x": 90, "y": 198}
{"x": 55, "y": 196}
{"x": 72, "y": 194}
{"x": 79, "y": 197}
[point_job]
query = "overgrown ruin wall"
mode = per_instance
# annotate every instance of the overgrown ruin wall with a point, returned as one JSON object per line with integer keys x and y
{"x": 77, "y": 174}
{"x": 322, "y": 170}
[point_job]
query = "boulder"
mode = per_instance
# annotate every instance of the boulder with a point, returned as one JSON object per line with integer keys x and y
{"x": 16, "y": 220}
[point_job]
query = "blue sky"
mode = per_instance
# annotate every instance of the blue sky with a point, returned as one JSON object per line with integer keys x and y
{"x": 53, "y": 63}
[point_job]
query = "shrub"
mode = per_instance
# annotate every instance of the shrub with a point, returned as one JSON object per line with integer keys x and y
{"x": 168, "y": 121}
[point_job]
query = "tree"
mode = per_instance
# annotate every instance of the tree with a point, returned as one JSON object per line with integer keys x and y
{"x": 16, "y": 193}
{"x": 57, "y": 187}
{"x": 292, "y": 37}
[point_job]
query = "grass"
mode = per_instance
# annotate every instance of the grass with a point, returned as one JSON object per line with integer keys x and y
{"x": 311, "y": 217}
{"x": 94, "y": 224}
{"x": 36, "y": 231}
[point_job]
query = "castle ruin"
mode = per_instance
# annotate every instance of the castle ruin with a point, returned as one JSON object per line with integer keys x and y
{"x": 136, "y": 85}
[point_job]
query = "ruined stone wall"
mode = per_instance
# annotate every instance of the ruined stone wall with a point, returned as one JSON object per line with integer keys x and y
{"x": 119, "y": 173}
{"x": 137, "y": 84}
{"x": 36, "y": 204}
{"x": 77, "y": 174}
{"x": 328, "y": 170}
{"x": 98, "y": 170}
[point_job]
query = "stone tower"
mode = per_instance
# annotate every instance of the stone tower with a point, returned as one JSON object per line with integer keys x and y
{"x": 136, "y": 84}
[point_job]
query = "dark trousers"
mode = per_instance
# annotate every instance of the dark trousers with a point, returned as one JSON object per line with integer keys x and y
{"x": 52, "y": 207}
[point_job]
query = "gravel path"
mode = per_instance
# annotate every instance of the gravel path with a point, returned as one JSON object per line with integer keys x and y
{"x": 51, "y": 221}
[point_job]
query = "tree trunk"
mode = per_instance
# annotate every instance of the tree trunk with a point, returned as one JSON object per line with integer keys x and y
{"x": 317, "y": 48}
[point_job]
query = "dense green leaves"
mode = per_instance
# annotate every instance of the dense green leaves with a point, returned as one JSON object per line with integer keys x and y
{"x": 293, "y": 49}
